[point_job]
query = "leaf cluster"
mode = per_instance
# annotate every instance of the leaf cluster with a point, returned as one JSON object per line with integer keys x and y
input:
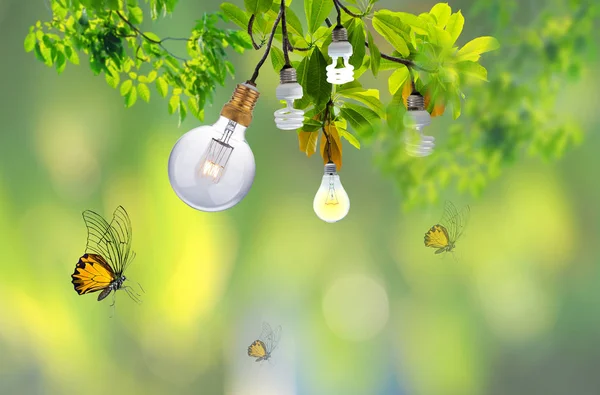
{"x": 131, "y": 60}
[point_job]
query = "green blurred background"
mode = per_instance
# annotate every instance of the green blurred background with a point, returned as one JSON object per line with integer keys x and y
{"x": 365, "y": 308}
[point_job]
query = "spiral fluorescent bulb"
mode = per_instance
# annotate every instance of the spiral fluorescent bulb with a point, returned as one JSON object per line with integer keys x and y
{"x": 340, "y": 47}
{"x": 415, "y": 120}
{"x": 211, "y": 168}
{"x": 289, "y": 118}
{"x": 331, "y": 202}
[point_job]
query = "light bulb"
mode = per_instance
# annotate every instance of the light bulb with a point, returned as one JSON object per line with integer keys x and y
{"x": 331, "y": 202}
{"x": 340, "y": 47}
{"x": 211, "y": 168}
{"x": 289, "y": 89}
{"x": 416, "y": 119}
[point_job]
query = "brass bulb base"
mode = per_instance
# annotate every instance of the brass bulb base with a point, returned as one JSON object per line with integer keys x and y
{"x": 239, "y": 108}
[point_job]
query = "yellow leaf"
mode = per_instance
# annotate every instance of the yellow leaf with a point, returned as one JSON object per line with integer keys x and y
{"x": 438, "y": 108}
{"x": 336, "y": 146}
{"x": 308, "y": 142}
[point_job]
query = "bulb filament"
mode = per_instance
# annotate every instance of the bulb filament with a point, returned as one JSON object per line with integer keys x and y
{"x": 289, "y": 118}
{"x": 331, "y": 195}
{"x": 216, "y": 157}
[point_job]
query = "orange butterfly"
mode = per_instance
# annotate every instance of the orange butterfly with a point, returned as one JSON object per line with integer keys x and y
{"x": 108, "y": 254}
{"x": 261, "y": 349}
{"x": 443, "y": 236}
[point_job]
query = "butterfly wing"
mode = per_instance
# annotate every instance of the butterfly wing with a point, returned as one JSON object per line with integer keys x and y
{"x": 269, "y": 337}
{"x": 455, "y": 221}
{"x": 111, "y": 241}
{"x": 437, "y": 237}
{"x": 92, "y": 274}
{"x": 257, "y": 350}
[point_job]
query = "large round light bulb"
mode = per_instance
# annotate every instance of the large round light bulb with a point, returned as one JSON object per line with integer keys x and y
{"x": 211, "y": 168}
{"x": 331, "y": 202}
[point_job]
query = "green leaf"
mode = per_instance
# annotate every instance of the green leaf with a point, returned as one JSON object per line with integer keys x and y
{"x": 348, "y": 136}
{"x": 162, "y": 86}
{"x": 277, "y": 58}
{"x": 61, "y": 62}
{"x": 182, "y": 112}
{"x": 356, "y": 37}
{"x": 375, "y": 54}
{"x": 30, "y": 41}
{"x": 455, "y": 26}
{"x": 389, "y": 27}
{"x": 257, "y": 6}
{"x": 136, "y": 15}
{"x": 395, "y": 112}
{"x": 144, "y": 92}
{"x": 456, "y": 106}
{"x": 303, "y": 79}
{"x": 174, "y": 104}
{"x": 474, "y": 48}
{"x": 126, "y": 87}
{"x": 363, "y": 120}
{"x": 316, "y": 11}
{"x": 71, "y": 55}
{"x": 442, "y": 12}
{"x": 472, "y": 69}
{"x": 131, "y": 97}
{"x": 398, "y": 78}
{"x": 235, "y": 14}
{"x": 370, "y": 98}
{"x": 318, "y": 88}
{"x": 113, "y": 80}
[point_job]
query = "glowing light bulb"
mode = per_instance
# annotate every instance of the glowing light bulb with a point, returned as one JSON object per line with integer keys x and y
{"x": 331, "y": 202}
{"x": 416, "y": 119}
{"x": 340, "y": 48}
{"x": 211, "y": 168}
{"x": 289, "y": 118}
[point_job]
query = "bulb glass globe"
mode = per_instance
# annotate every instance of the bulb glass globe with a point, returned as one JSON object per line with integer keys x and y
{"x": 343, "y": 75}
{"x": 417, "y": 143}
{"x": 211, "y": 168}
{"x": 331, "y": 202}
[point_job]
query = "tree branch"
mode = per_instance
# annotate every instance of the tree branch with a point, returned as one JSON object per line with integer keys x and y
{"x": 338, "y": 5}
{"x": 269, "y": 45}
{"x": 284, "y": 35}
{"x": 251, "y": 34}
{"x": 151, "y": 40}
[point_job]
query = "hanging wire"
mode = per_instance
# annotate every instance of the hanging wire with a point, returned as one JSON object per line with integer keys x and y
{"x": 285, "y": 39}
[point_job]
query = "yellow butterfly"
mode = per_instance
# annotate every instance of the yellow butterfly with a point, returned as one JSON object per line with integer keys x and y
{"x": 107, "y": 255}
{"x": 444, "y": 236}
{"x": 262, "y": 348}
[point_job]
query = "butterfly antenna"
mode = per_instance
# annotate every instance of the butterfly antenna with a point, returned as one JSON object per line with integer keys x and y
{"x": 133, "y": 295}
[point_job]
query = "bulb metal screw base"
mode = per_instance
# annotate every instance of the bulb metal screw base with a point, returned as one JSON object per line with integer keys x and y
{"x": 239, "y": 108}
{"x": 415, "y": 102}
{"x": 330, "y": 168}
{"x": 339, "y": 34}
{"x": 288, "y": 75}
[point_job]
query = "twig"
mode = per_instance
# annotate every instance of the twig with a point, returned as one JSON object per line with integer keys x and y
{"x": 269, "y": 45}
{"x": 325, "y": 123}
{"x": 346, "y": 10}
{"x": 151, "y": 40}
{"x": 251, "y": 34}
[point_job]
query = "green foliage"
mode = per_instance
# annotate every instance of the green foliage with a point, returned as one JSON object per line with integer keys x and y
{"x": 513, "y": 115}
{"x": 108, "y": 32}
